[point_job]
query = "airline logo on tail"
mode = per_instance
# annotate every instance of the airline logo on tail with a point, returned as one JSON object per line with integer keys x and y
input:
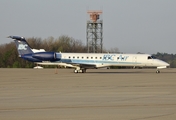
{"x": 22, "y": 47}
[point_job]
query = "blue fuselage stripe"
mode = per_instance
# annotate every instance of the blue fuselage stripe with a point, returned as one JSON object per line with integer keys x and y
{"x": 79, "y": 61}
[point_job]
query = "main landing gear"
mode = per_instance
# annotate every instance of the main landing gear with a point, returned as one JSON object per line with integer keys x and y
{"x": 80, "y": 70}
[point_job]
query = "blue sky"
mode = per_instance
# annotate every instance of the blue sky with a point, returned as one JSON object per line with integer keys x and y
{"x": 147, "y": 26}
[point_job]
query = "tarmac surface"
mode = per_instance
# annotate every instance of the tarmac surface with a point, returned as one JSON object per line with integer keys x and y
{"x": 100, "y": 94}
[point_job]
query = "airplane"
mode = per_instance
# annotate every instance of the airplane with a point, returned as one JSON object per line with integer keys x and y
{"x": 83, "y": 61}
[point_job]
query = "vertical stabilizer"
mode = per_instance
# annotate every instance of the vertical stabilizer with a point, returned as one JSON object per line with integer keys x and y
{"x": 21, "y": 45}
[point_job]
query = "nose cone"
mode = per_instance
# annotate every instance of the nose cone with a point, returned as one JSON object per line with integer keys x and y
{"x": 167, "y": 64}
{"x": 163, "y": 63}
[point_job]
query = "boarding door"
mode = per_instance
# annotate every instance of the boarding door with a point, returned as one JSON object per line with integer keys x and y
{"x": 134, "y": 60}
{"x": 150, "y": 61}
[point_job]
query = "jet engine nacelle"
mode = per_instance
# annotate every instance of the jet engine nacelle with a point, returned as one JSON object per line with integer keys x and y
{"x": 45, "y": 56}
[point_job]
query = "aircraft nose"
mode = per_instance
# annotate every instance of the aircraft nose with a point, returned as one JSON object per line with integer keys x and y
{"x": 165, "y": 63}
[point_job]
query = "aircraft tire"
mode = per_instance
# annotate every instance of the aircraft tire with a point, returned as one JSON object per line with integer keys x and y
{"x": 157, "y": 71}
{"x": 75, "y": 71}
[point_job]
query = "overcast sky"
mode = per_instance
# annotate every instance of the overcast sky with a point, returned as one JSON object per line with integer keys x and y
{"x": 147, "y": 26}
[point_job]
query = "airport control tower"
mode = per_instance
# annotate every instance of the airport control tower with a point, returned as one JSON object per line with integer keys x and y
{"x": 94, "y": 31}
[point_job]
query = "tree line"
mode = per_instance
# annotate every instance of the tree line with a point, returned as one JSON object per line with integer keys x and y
{"x": 9, "y": 55}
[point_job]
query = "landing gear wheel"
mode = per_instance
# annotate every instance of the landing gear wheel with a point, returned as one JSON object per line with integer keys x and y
{"x": 75, "y": 71}
{"x": 79, "y": 71}
{"x": 157, "y": 71}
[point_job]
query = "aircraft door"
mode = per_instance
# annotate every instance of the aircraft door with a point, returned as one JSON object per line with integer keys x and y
{"x": 150, "y": 61}
{"x": 134, "y": 59}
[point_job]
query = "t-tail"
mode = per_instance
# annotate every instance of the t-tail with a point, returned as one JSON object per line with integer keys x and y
{"x": 24, "y": 49}
{"x": 22, "y": 45}
{"x": 25, "y": 52}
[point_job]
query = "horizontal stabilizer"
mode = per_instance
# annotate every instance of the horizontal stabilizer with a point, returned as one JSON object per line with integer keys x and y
{"x": 17, "y": 37}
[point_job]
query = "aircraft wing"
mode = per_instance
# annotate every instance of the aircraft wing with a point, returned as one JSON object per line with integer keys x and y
{"x": 73, "y": 65}
{"x": 83, "y": 65}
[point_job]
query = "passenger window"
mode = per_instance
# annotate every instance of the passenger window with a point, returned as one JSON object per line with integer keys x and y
{"x": 95, "y": 57}
{"x": 87, "y": 57}
{"x": 78, "y": 57}
{"x": 73, "y": 57}
{"x": 82, "y": 57}
{"x": 91, "y": 57}
{"x": 69, "y": 57}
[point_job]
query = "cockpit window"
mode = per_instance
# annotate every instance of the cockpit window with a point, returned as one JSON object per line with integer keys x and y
{"x": 151, "y": 57}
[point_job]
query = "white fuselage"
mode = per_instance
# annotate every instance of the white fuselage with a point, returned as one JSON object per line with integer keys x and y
{"x": 106, "y": 59}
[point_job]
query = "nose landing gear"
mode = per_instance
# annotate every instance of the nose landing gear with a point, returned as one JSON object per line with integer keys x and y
{"x": 157, "y": 71}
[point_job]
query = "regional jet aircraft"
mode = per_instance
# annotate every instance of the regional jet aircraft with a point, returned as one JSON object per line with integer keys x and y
{"x": 83, "y": 61}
